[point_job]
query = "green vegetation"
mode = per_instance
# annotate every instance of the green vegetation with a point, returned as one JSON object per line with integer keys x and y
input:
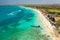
{"x": 50, "y": 9}
{"x": 58, "y": 23}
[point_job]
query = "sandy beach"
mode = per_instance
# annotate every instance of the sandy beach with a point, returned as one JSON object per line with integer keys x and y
{"x": 48, "y": 28}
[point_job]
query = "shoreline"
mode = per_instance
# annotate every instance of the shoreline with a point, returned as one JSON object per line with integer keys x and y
{"x": 49, "y": 29}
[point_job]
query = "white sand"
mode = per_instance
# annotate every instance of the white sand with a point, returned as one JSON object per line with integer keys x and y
{"x": 49, "y": 28}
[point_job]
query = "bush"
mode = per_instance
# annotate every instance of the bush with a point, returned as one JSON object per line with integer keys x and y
{"x": 58, "y": 23}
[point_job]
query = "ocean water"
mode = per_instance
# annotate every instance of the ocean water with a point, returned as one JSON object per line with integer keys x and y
{"x": 19, "y": 23}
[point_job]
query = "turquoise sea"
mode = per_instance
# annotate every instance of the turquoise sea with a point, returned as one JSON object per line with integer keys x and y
{"x": 19, "y": 23}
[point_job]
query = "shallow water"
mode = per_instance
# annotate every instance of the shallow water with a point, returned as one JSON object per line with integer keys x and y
{"x": 19, "y": 23}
